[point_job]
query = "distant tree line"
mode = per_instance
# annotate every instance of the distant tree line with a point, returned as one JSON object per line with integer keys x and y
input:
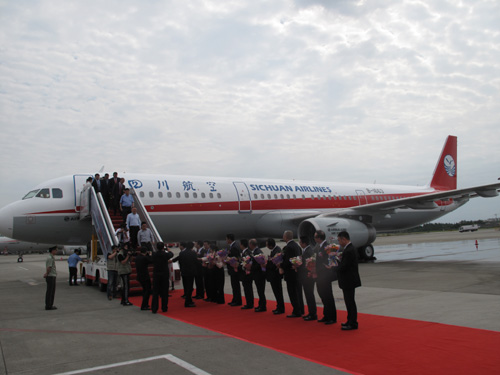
{"x": 440, "y": 227}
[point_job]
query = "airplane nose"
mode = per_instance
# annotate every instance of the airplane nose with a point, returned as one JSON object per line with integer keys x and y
{"x": 6, "y": 221}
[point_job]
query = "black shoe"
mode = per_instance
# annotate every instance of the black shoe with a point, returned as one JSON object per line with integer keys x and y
{"x": 154, "y": 312}
{"x": 310, "y": 317}
{"x": 260, "y": 309}
{"x": 246, "y": 307}
{"x": 322, "y": 320}
{"x": 293, "y": 316}
{"x": 145, "y": 308}
{"x": 278, "y": 312}
{"x": 51, "y": 308}
{"x": 344, "y": 324}
{"x": 328, "y": 322}
{"x": 198, "y": 297}
{"x": 190, "y": 305}
{"x": 349, "y": 327}
{"x": 127, "y": 304}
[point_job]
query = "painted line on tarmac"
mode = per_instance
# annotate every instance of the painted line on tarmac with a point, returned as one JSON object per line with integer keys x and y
{"x": 169, "y": 357}
{"x": 111, "y": 333}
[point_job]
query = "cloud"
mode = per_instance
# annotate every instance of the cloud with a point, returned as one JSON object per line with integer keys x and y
{"x": 319, "y": 90}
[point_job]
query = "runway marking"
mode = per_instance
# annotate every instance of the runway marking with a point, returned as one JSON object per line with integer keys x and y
{"x": 169, "y": 357}
{"x": 110, "y": 333}
{"x": 23, "y": 268}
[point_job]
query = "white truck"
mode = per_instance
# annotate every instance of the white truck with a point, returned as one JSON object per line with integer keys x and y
{"x": 468, "y": 228}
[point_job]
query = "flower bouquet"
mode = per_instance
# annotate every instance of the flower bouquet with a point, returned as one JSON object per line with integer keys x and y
{"x": 261, "y": 259}
{"x": 233, "y": 262}
{"x": 246, "y": 263}
{"x": 334, "y": 255}
{"x": 277, "y": 259}
{"x": 296, "y": 262}
{"x": 222, "y": 254}
{"x": 210, "y": 260}
{"x": 311, "y": 267}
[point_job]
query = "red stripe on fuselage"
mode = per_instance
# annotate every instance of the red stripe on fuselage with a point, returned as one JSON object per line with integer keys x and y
{"x": 323, "y": 203}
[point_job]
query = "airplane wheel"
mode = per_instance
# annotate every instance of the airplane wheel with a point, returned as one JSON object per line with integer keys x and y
{"x": 367, "y": 252}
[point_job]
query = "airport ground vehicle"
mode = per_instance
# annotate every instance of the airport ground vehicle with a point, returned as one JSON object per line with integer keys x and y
{"x": 468, "y": 228}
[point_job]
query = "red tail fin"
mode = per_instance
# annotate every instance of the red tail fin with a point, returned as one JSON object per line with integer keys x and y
{"x": 445, "y": 174}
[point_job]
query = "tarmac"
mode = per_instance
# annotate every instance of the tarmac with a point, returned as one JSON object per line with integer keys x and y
{"x": 436, "y": 277}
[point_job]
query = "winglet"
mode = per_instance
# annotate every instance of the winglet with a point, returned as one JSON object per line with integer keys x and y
{"x": 445, "y": 173}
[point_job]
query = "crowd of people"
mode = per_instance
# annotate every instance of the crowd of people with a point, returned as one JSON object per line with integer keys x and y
{"x": 303, "y": 266}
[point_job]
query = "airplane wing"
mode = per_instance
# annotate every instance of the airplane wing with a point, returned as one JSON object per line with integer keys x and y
{"x": 423, "y": 201}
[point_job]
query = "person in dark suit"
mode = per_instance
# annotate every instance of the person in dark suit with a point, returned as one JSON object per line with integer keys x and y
{"x": 349, "y": 280}
{"x": 105, "y": 190}
{"x": 234, "y": 274}
{"x": 218, "y": 277}
{"x": 188, "y": 262}
{"x": 324, "y": 280}
{"x": 198, "y": 279}
{"x": 274, "y": 277}
{"x": 258, "y": 276}
{"x": 97, "y": 183}
{"x": 142, "y": 262}
{"x": 246, "y": 277}
{"x": 161, "y": 277}
{"x": 308, "y": 280}
{"x": 292, "y": 284}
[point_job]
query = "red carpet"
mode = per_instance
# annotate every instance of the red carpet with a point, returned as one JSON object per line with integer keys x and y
{"x": 382, "y": 345}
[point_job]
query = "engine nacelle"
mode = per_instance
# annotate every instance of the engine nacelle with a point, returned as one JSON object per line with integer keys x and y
{"x": 361, "y": 234}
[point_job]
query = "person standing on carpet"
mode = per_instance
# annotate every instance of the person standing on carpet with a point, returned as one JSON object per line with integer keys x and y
{"x": 291, "y": 250}
{"x": 258, "y": 275}
{"x": 308, "y": 279}
{"x": 233, "y": 251}
{"x": 161, "y": 277}
{"x": 124, "y": 271}
{"x": 349, "y": 280}
{"x": 188, "y": 262}
{"x": 142, "y": 262}
{"x": 324, "y": 279}
{"x": 246, "y": 277}
{"x": 50, "y": 278}
{"x": 274, "y": 277}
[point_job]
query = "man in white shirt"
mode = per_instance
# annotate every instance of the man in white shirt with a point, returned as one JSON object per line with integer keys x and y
{"x": 133, "y": 225}
{"x": 145, "y": 236}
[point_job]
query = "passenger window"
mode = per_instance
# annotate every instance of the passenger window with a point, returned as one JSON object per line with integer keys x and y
{"x": 303, "y": 196}
{"x": 31, "y": 194}
{"x": 57, "y": 193}
{"x": 141, "y": 194}
{"x": 203, "y": 195}
{"x": 178, "y": 195}
{"x": 281, "y": 196}
{"x": 44, "y": 193}
{"x": 151, "y": 194}
{"x": 294, "y": 196}
{"x": 288, "y": 196}
{"x": 268, "y": 196}
{"x": 186, "y": 195}
{"x": 160, "y": 194}
{"x": 211, "y": 195}
{"x": 255, "y": 196}
{"x": 169, "y": 194}
{"x": 195, "y": 195}
{"x": 275, "y": 196}
{"x": 219, "y": 196}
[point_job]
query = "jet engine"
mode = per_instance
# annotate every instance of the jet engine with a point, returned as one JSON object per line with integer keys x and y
{"x": 362, "y": 234}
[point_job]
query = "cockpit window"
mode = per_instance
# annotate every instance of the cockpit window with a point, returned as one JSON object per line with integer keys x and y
{"x": 57, "y": 193}
{"x": 31, "y": 194}
{"x": 44, "y": 193}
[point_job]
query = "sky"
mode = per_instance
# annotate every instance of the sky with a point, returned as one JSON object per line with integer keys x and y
{"x": 353, "y": 91}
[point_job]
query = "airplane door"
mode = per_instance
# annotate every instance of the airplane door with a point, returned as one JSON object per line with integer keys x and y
{"x": 245, "y": 204}
{"x": 361, "y": 197}
{"x": 79, "y": 183}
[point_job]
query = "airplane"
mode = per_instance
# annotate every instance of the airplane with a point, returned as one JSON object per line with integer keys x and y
{"x": 191, "y": 207}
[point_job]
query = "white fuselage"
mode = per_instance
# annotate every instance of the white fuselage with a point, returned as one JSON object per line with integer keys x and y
{"x": 192, "y": 208}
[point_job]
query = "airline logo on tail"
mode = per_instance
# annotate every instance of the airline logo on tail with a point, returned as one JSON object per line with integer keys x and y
{"x": 449, "y": 165}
